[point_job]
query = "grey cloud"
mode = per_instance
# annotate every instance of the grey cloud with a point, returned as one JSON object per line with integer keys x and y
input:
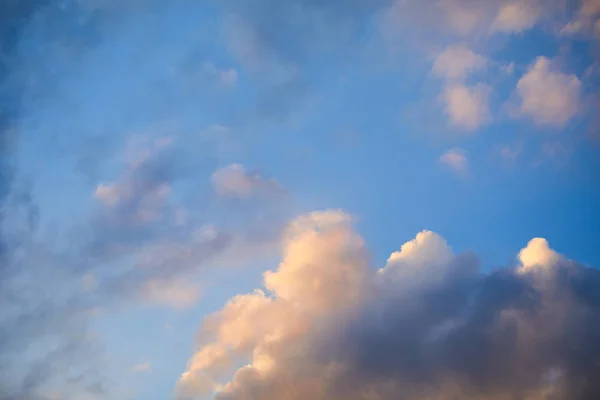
{"x": 506, "y": 339}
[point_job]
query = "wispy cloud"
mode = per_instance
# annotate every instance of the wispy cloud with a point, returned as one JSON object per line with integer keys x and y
{"x": 456, "y": 160}
{"x": 143, "y": 367}
{"x": 236, "y": 182}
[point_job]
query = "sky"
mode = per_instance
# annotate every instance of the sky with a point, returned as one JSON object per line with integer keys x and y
{"x": 299, "y": 199}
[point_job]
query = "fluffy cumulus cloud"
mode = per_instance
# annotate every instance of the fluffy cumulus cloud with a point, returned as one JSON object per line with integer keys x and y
{"x": 457, "y": 61}
{"x": 517, "y": 16}
{"x": 549, "y": 96}
{"x": 429, "y": 324}
{"x": 456, "y": 160}
{"x": 467, "y": 107}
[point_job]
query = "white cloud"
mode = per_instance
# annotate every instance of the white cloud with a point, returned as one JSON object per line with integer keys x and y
{"x": 456, "y": 160}
{"x": 235, "y": 181}
{"x": 517, "y": 16}
{"x": 324, "y": 272}
{"x": 417, "y": 262}
{"x": 549, "y": 96}
{"x": 457, "y": 61}
{"x": 538, "y": 255}
{"x": 467, "y": 107}
{"x": 463, "y": 16}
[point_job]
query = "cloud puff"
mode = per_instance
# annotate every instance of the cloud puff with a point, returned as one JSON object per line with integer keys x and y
{"x": 509, "y": 154}
{"x": 140, "y": 196}
{"x": 457, "y": 61}
{"x": 467, "y": 107}
{"x": 235, "y": 181}
{"x": 143, "y": 367}
{"x": 456, "y": 160}
{"x": 585, "y": 21}
{"x": 548, "y": 96}
{"x": 517, "y": 16}
{"x": 538, "y": 254}
{"x": 177, "y": 293}
{"x": 430, "y": 324}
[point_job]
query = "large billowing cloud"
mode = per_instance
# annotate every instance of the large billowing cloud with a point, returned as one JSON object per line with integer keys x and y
{"x": 430, "y": 324}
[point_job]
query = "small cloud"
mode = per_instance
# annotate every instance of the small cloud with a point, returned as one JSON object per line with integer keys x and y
{"x": 467, "y": 107}
{"x": 143, "y": 367}
{"x": 585, "y": 22}
{"x": 516, "y": 16}
{"x": 176, "y": 293}
{"x": 225, "y": 77}
{"x": 234, "y": 181}
{"x": 548, "y": 96}
{"x": 509, "y": 154}
{"x": 508, "y": 69}
{"x": 456, "y": 160}
{"x": 141, "y": 194}
{"x": 456, "y": 62}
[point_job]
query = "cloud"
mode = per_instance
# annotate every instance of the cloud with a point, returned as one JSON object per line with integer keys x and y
{"x": 143, "y": 367}
{"x": 467, "y": 107}
{"x": 456, "y": 62}
{"x": 538, "y": 255}
{"x": 430, "y": 324}
{"x": 115, "y": 259}
{"x": 140, "y": 196}
{"x": 235, "y": 181}
{"x": 509, "y": 154}
{"x": 517, "y": 16}
{"x": 451, "y": 20}
{"x": 548, "y": 96}
{"x": 585, "y": 21}
{"x": 177, "y": 293}
{"x": 226, "y": 77}
{"x": 456, "y": 160}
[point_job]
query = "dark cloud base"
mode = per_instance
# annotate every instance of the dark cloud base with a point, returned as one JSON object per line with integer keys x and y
{"x": 502, "y": 335}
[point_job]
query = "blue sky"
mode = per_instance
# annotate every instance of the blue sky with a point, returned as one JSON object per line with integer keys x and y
{"x": 158, "y": 155}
